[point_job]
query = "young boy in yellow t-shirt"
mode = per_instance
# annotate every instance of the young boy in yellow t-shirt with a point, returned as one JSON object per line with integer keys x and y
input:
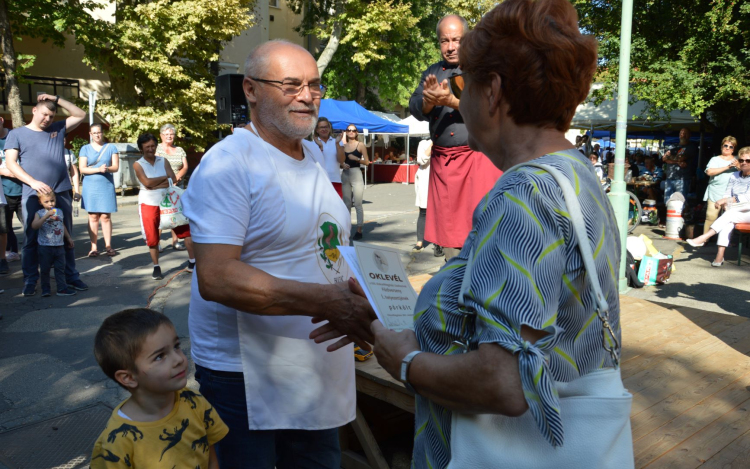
{"x": 162, "y": 424}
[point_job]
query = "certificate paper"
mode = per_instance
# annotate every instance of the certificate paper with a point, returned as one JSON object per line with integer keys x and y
{"x": 383, "y": 277}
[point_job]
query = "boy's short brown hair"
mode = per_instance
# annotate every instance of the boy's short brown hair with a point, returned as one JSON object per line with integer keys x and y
{"x": 121, "y": 336}
{"x": 41, "y": 195}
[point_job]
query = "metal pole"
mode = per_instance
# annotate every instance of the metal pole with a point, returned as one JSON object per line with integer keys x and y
{"x": 92, "y": 107}
{"x": 617, "y": 196}
{"x": 407, "y": 159}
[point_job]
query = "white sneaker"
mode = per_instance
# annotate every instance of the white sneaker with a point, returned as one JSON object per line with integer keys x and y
{"x": 12, "y": 256}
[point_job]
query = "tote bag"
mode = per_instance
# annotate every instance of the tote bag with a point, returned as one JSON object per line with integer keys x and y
{"x": 170, "y": 209}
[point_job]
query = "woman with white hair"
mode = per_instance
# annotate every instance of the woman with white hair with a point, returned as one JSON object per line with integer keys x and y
{"x": 177, "y": 159}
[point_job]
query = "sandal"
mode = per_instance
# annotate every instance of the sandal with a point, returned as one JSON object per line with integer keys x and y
{"x": 111, "y": 252}
{"x": 93, "y": 253}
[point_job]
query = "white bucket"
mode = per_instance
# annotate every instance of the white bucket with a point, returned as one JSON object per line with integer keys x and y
{"x": 675, "y": 222}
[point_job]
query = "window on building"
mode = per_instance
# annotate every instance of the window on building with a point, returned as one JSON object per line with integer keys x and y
{"x": 273, "y": 3}
{"x": 31, "y": 86}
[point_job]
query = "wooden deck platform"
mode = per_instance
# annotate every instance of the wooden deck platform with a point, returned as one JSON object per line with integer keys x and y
{"x": 688, "y": 371}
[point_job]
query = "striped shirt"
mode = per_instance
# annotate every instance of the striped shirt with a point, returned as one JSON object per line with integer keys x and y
{"x": 527, "y": 271}
{"x": 739, "y": 187}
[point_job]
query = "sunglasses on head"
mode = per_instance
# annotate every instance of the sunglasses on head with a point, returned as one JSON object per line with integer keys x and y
{"x": 728, "y": 146}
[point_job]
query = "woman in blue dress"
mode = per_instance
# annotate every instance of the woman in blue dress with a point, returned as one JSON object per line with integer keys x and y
{"x": 97, "y": 161}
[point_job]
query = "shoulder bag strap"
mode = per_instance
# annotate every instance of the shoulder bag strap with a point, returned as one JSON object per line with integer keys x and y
{"x": 579, "y": 226}
{"x": 99, "y": 155}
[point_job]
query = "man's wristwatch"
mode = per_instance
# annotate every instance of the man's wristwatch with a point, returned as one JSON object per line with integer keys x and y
{"x": 405, "y": 364}
{"x": 57, "y": 98}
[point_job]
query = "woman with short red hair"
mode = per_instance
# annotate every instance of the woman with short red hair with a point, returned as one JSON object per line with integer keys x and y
{"x": 515, "y": 342}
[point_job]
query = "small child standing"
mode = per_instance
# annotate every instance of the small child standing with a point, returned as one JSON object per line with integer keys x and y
{"x": 51, "y": 238}
{"x": 162, "y": 424}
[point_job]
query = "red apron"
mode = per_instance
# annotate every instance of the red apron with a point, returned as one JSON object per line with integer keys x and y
{"x": 459, "y": 178}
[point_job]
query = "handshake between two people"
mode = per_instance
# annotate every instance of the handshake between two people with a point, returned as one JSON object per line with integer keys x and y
{"x": 349, "y": 319}
{"x": 352, "y": 320}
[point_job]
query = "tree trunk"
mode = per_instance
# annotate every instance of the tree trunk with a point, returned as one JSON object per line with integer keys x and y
{"x": 361, "y": 90}
{"x": 9, "y": 66}
{"x": 121, "y": 82}
{"x": 331, "y": 47}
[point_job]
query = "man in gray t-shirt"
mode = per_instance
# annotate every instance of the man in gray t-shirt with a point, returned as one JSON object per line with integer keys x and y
{"x": 35, "y": 155}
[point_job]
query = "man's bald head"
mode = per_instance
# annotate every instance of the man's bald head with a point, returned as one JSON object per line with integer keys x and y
{"x": 452, "y": 20}
{"x": 450, "y": 29}
{"x": 259, "y": 59}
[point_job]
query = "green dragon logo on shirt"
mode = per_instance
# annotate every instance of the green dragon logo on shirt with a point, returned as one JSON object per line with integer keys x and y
{"x": 329, "y": 236}
{"x": 328, "y": 244}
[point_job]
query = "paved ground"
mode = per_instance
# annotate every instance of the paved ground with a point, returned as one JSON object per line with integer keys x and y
{"x": 47, "y": 367}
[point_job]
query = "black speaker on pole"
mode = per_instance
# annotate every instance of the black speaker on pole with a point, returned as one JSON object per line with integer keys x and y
{"x": 231, "y": 106}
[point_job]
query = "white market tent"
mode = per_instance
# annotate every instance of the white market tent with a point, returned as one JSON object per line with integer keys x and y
{"x": 589, "y": 116}
{"x": 387, "y": 116}
{"x": 416, "y": 127}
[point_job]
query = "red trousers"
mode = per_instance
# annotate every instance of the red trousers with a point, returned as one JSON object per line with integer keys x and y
{"x": 150, "y": 225}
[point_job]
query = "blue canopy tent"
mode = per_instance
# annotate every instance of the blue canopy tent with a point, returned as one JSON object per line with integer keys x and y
{"x": 343, "y": 113}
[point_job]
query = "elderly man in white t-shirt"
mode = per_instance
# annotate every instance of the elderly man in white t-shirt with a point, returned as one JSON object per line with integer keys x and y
{"x": 266, "y": 223}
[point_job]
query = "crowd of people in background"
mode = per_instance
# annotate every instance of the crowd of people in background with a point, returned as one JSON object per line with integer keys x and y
{"x": 42, "y": 180}
{"x": 726, "y": 180}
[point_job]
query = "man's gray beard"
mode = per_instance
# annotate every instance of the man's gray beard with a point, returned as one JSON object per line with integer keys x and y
{"x": 278, "y": 117}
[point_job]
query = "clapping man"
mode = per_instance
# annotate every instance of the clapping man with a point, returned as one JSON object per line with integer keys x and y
{"x": 459, "y": 176}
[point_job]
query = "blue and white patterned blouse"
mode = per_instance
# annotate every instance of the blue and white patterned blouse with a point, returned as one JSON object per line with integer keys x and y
{"x": 527, "y": 271}
{"x": 738, "y": 187}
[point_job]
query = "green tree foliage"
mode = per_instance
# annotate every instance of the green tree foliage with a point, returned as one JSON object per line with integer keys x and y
{"x": 159, "y": 55}
{"x": 46, "y": 20}
{"x": 686, "y": 54}
{"x": 382, "y": 46}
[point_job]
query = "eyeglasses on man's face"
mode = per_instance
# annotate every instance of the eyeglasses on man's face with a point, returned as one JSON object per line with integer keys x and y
{"x": 294, "y": 87}
{"x": 744, "y": 161}
{"x": 729, "y": 146}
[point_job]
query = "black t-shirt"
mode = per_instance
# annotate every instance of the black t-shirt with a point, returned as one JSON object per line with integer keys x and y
{"x": 447, "y": 128}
